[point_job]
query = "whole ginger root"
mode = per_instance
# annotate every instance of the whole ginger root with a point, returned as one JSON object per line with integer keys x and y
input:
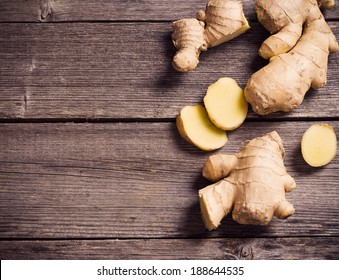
{"x": 251, "y": 184}
{"x": 298, "y": 51}
{"x": 222, "y": 21}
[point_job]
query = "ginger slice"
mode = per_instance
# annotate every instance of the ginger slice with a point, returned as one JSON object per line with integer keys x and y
{"x": 196, "y": 128}
{"x": 319, "y": 145}
{"x": 226, "y": 104}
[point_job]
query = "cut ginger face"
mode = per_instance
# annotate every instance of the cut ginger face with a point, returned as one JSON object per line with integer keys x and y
{"x": 226, "y": 104}
{"x": 196, "y": 128}
{"x": 319, "y": 145}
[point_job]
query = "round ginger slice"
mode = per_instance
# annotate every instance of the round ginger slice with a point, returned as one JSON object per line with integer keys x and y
{"x": 196, "y": 128}
{"x": 319, "y": 145}
{"x": 226, "y": 104}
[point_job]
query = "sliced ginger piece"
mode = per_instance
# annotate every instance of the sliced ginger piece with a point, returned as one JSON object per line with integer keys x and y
{"x": 196, "y": 128}
{"x": 226, "y": 104}
{"x": 319, "y": 145}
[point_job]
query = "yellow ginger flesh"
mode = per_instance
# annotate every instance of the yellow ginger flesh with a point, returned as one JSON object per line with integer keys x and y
{"x": 226, "y": 104}
{"x": 319, "y": 145}
{"x": 196, "y": 128}
{"x": 298, "y": 51}
{"x": 251, "y": 184}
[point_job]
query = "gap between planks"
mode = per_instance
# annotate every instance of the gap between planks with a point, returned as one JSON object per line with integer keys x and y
{"x": 157, "y": 120}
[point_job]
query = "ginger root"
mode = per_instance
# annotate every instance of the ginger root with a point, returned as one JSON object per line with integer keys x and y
{"x": 222, "y": 21}
{"x": 226, "y": 104}
{"x": 252, "y": 184}
{"x": 188, "y": 38}
{"x": 319, "y": 145}
{"x": 298, "y": 51}
{"x": 196, "y": 128}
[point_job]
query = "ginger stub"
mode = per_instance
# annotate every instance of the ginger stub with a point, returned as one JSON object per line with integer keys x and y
{"x": 319, "y": 145}
{"x": 196, "y": 128}
{"x": 226, "y": 104}
{"x": 251, "y": 184}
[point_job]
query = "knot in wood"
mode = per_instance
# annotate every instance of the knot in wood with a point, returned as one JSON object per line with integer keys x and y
{"x": 246, "y": 253}
{"x": 45, "y": 9}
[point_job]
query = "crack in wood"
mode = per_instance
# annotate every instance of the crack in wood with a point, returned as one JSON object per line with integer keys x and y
{"x": 25, "y": 102}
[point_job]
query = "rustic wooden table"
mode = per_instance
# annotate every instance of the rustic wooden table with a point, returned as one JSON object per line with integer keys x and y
{"x": 91, "y": 163}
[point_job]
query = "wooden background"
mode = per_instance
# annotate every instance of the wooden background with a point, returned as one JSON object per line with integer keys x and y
{"x": 91, "y": 163}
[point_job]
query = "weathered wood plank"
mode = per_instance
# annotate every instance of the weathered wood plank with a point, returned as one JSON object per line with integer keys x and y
{"x": 113, "y": 10}
{"x": 165, "y": 249}
{"x": 139, "y": 180}
{"x": 115, "y": 70}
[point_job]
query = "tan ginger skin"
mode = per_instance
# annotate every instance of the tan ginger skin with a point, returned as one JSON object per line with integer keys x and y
{"x": 222, "y": 21}
{"x": 298, "y": 51}
{"x": 251, "y": 184}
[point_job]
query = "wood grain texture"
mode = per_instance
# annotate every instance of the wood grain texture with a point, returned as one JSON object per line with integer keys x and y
{"x": 123, "y": 70}
{"x": 121, "y": 189}
{"x": 140, "y": 180}
{"x": 319, "y": 248}
{"x": 110, "y": 10}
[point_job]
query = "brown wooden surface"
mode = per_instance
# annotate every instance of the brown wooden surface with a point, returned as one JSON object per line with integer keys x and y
{"x": 110, "y": 10}
{"x": 138, "y": 180}
{"x": 214, "y": 249}
{"x": 91, "y": 163}
{"x": 123, "y": 70}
